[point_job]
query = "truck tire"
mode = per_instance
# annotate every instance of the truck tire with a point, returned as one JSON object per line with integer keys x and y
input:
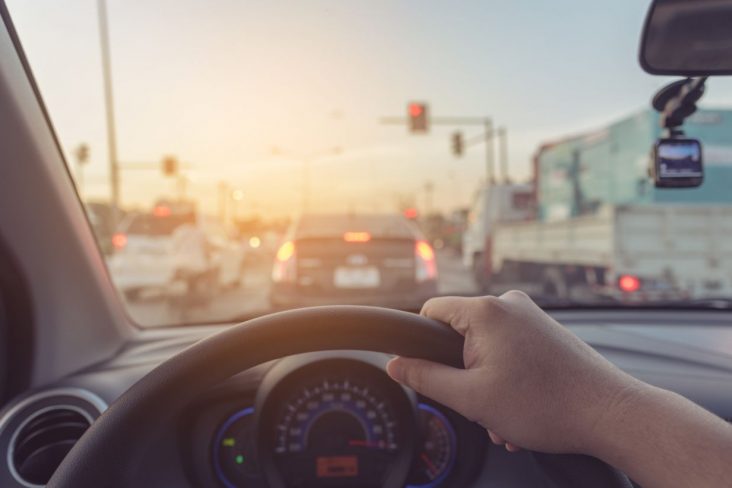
{"x": 555, "y": 285}
{"x": 133, "y": 294}
{"x": 479, "y": 275}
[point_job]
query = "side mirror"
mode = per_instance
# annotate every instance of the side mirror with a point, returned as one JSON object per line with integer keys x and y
{"x": 688, "y": 38}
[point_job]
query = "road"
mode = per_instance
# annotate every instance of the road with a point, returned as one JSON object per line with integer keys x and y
{"x": 251, "y": 297}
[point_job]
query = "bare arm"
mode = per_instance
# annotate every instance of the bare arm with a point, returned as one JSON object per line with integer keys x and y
{"x": 661, "y": 439}
{"x": 532, "y": 383}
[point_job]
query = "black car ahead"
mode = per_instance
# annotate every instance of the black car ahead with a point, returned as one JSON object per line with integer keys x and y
{"x": 354, "y": 259}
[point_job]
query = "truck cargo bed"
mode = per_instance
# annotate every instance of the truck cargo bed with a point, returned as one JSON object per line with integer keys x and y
{"x": 678, "y": 249}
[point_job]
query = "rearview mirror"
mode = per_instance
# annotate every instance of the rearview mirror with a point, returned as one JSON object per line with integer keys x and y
{"x": 688, "y": 38}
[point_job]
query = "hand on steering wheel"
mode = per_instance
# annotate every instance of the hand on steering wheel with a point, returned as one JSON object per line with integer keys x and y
{"x": 528, "y": 380}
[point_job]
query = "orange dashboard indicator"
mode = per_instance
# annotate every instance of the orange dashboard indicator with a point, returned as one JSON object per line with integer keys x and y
{"x": 337, "y": 466}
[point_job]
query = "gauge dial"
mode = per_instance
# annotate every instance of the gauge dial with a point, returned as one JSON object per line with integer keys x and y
{"x": 333, "y": 432}
{"x": 233, "y": 451}
{"x": 435, "y": 455}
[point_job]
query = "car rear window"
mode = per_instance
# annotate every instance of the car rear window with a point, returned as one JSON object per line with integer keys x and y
{"x": 150, "y": 225}
{"x": 378, "y": 226}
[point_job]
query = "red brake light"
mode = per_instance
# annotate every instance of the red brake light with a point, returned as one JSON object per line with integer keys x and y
{"x": 357, "y": 237}
{"x": 410, "y": 213}
{"x": 629, "y": 283}
{"x": 161, "y": 211}
{"x": 119, "y": 240}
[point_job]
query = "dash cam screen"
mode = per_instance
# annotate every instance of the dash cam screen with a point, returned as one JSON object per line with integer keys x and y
{"x": 679, "y": 159}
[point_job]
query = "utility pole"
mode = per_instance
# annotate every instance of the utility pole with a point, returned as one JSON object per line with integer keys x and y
{"x": 109, "y": 106}
{"x": 429, "y": 188}
{"x": 237, "y": 196}
{"x": 489, "y": 161}
{"x": 503, "y": 153}
{"x": 181, "y": 187}
{"x": 223, "y": 201}
{"x": 305, "y": 184}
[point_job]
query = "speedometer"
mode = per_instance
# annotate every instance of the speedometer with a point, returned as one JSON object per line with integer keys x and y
{"x": 338, "y": 428}
{"x": 335, "y": 429}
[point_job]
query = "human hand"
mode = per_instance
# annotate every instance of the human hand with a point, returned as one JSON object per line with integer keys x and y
{"x": 527, "y": 379}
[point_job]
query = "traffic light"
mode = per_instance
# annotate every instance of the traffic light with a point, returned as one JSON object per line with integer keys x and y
{"x": 418, "y": 115}
{"x": 170, "y": 166}
{"x": 457, "y": 143}
{"x": 82, "y": 153}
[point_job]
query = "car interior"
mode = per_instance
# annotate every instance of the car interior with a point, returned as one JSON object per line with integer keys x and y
{"x": 286, "y": 396}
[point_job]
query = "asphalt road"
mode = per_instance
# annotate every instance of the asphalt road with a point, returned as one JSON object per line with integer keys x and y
{"x": 251, "y": 296}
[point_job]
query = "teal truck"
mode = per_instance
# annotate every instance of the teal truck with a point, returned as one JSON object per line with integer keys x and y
{"x": 599, "y": 228}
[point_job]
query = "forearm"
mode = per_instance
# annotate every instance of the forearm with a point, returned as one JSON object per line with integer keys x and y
{"x": 661, "y": 439}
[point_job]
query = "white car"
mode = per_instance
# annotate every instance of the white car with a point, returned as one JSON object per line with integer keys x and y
{"x": 151, "y": 252}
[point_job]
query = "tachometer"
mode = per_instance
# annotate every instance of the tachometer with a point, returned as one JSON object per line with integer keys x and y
{"x": 435, "y": 456}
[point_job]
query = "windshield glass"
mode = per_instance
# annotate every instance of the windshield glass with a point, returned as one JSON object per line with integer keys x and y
{"x": 237, "y": 158}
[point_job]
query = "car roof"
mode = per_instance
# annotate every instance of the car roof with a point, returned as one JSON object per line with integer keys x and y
{"x": 335, "y": 225}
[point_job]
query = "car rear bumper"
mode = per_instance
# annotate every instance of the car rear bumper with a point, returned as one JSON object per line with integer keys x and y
{"x": 283, "y": 296}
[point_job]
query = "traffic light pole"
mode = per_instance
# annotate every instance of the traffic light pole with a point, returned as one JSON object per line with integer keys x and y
{"x": 486, "y": 137}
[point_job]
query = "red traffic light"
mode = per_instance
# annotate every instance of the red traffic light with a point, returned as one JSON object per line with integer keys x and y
{"x": 415, "y": 109}
{"x": 418, "y": 117}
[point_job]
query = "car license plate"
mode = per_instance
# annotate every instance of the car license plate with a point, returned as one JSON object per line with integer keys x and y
{"x": 363, "y": 277}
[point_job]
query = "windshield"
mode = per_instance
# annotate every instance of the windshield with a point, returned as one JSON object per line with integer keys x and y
{"x": 237, "y": 158}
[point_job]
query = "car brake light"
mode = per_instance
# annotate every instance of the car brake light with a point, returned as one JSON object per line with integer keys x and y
{"x": 426, "y": 265}
{"x": 161, "y": 211}
{"x": 357, "y": 237}
{"x": 629, "y": 283}
{"x": 119, "y": 241}
{"x": 284, "y": 268}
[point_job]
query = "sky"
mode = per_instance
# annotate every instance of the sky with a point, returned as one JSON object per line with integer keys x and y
{"x": 220, "y": 83}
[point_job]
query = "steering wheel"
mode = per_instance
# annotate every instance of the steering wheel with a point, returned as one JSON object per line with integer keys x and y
{"x": 107, "y": 451}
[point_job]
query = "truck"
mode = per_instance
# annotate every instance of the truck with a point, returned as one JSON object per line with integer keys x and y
{"x": 591, "y": 226}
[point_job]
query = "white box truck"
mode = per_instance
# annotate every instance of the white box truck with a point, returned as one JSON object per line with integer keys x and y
{"x": 595, "y": 228}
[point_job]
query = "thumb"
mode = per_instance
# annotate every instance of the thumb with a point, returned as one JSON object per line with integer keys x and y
{"x": 444, "y": 384}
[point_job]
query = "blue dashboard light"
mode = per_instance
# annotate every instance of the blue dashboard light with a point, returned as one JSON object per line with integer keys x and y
{"x": 229, "y": 450}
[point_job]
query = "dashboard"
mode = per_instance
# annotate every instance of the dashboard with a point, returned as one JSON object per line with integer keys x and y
{"x": 331, "y": 419}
